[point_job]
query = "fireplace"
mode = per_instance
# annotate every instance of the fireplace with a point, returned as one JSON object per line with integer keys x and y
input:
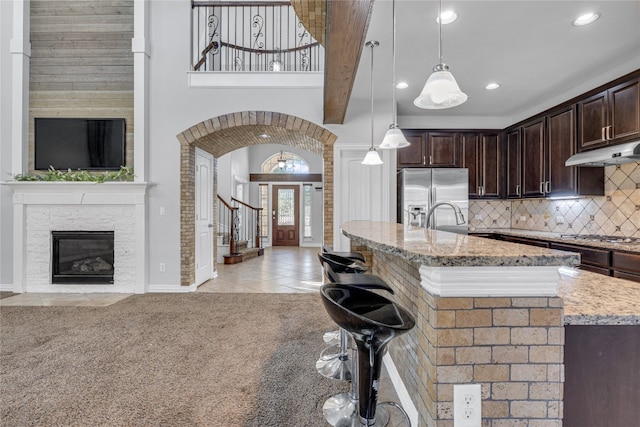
{"x": 82, "y": 257}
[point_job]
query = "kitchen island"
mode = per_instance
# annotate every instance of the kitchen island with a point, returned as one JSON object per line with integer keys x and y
{"x": 487, "y": 312}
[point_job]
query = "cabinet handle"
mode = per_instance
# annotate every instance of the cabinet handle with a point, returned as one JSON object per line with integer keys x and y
{"x": 479, "y": 191}
{"x": 430, "y": 160}
{"x": 542, "y": 187}
{"x": 604, "y": 131}
{"x": 548, "y": 187}
{"x": 424, "y": 160}
{"x": 518, "y": 190}
{"x": 482, "y": 189}
{"x": 609, "y": 132}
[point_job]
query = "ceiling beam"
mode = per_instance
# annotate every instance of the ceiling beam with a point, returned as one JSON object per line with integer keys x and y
{"x": 347, "y": 23}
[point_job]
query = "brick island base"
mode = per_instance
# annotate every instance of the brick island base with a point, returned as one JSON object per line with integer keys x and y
{"x": 512, "y": 345}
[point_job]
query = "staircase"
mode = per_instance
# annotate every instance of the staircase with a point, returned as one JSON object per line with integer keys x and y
{"x": 239, "y": 226}
{"x": 243, "y": 253}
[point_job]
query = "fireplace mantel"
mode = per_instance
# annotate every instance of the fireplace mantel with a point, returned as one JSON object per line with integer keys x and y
{"x": 41, "y": 207}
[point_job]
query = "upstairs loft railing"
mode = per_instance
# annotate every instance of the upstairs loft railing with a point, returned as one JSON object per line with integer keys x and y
{"x": 251, "y": 36}
{"x": 238, "y": 221}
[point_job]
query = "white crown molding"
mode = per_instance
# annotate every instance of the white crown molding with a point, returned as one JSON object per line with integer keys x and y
{"x": 490, "y": 281}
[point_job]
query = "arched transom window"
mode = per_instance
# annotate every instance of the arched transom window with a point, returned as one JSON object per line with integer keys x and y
{"x": 285, "y": 162}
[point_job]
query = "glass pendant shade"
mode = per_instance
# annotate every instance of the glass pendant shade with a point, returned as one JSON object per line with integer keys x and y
{"x": 394, "y": 138}
{"x": 440, "y": 91}
{"x": 372, "y": 158}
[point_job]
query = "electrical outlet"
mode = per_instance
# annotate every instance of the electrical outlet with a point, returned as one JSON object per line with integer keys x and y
{"x": 479, "y": 217}
{"x": 163, "y": 211}
{"x": 467, "y": 405}
{"x": 163, "y": 267}
{"x": 523, "y": 218}
{"x": 559, "y": 220}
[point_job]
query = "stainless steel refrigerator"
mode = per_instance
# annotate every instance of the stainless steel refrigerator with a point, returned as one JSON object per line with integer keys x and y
{"x": 420, "y": 189}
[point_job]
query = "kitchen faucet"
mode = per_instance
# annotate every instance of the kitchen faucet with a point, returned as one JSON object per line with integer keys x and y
{"x": 456, "y": 209}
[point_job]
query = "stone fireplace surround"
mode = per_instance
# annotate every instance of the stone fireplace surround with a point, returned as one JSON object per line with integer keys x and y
{"x": 43, "y": 207}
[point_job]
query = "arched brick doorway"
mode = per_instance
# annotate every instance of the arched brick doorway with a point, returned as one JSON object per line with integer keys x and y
{"x": 223, "y": 134}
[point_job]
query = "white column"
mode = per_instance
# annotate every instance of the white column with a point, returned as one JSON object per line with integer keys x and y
{"x": 21, "y": 54}
{"x": 140, "y": 48}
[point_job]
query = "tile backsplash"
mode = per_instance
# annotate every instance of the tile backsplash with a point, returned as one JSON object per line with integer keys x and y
{"x": 615, "y": 213}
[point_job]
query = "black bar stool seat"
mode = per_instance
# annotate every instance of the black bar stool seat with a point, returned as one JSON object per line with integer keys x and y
{"x": 356, "y": 256}
{"x": 341, "y": 264}
{"x": 373, "y": 321}
{"x": 364, "y": 281}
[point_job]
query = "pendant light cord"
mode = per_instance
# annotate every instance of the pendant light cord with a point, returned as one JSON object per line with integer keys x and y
{"x": 393, "y": 67}
{"x": 372, "y": 46}
{"x": 440, "y": 33}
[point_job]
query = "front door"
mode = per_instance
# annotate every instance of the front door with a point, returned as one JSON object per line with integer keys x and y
{"x": 204, "y": 220}
{"x": 284, "y": 218}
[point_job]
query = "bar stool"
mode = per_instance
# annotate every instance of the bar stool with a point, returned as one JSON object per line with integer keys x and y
{"x": 356, "y": 256}
{"x": 373, "y": 321}
{"x": 334, "y": 362}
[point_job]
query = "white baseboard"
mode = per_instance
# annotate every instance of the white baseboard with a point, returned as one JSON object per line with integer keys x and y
{"x": 401, "y": 390}
{"x": 6, "y": 287}
{"x": 171, "y": 288}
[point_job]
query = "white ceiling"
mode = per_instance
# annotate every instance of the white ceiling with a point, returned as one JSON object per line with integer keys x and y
{"x": 530, "y": 47}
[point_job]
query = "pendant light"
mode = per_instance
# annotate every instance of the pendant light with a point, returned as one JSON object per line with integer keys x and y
{"x": 372, "y": 157}
{"x": 441, "y": 89}
{"x": 394, "y": 137}
{"x": 282, "y": 162}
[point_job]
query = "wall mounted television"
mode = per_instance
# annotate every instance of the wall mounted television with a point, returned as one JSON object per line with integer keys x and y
{"x": 79, "y": 143}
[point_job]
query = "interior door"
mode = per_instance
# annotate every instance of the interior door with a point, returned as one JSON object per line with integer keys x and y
{"x": 285, "y": 215}
{"x": 204, "y": 220}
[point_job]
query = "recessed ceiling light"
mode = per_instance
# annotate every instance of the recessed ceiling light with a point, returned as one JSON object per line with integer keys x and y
{"x": 448, "y": 16}
{"x": 402, "y": 85}
{"x": 586, "y": 19}
{"x": 492, "y": 86}
{"x": 264, "y": 135}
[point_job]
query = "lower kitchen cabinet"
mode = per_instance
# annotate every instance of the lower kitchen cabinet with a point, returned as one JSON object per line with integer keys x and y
{"x": 626, "y": 266}
{"x": 591, "y": 259}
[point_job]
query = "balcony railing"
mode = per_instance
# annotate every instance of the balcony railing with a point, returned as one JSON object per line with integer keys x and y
{"x": 251, "y": 36}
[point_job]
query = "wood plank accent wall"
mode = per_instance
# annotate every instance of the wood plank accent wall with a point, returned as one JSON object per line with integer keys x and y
{"x": 81, "y": 63}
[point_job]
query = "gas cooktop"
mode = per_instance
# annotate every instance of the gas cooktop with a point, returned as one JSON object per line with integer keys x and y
{"x": 601, "y": 238}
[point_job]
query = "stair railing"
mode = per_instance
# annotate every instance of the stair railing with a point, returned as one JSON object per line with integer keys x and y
{"x": 250, "y": 218}
{"x": 229, "y": 224}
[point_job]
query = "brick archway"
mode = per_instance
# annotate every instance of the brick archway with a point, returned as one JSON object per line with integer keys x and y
{"x": 223, "y": 134}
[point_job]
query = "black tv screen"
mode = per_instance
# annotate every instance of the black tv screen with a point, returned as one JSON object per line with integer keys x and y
{"x": 74, "y": 143}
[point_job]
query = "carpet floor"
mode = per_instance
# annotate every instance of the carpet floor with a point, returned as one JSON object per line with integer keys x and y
{"x": 166, "y": 360}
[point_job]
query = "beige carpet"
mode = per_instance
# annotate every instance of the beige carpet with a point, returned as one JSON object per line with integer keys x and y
{"x": 166, "y": 360}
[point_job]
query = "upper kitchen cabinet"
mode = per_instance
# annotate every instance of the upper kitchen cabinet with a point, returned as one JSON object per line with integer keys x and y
{"x": 481, "y": 153}
{"x": 513, "y": 156}
{"x": 610, "y": 116}
{"x": 533, "y": 161}
{"x": 429, "y": 150}
{"x": 561, "y": 180}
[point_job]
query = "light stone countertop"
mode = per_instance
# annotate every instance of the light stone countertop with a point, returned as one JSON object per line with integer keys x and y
{"x": 595, "y": 299}
{"x": 442, "y": 249}
{"x": 555, "y": 237}
{"x": 589, "y": 298}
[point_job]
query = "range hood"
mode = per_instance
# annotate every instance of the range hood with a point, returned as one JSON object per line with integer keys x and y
{"x": 608, "y": 156}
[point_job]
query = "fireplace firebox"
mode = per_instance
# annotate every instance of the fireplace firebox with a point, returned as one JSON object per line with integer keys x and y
{"x": 82, "y": 257}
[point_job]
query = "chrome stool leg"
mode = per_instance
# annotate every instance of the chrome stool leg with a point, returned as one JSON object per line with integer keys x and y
{"x": 338, "y": 365}
{"x": 341, "y": 410}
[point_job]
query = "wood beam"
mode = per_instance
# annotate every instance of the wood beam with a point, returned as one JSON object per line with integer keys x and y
{"x": 347, "y": 24}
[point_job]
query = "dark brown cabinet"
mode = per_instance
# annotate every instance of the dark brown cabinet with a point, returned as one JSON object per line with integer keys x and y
{"x": 533, "y": 164}
{"x": 481, "y": 153}
{"x": 513, "y": 148}
{"x": 429, "y": 149}
{"x": 561, "y": 180}
{"x": 609, "y": 117}
{"x": 626, "y": 265}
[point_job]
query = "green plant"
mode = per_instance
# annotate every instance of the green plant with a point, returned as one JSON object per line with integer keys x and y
{"x": 124, "y": 174}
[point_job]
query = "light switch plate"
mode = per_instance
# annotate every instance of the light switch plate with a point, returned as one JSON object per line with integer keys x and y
{"x": 467, "y": 405}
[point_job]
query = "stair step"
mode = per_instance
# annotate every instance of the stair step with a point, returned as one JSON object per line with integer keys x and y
{"x": 243, "y": 255}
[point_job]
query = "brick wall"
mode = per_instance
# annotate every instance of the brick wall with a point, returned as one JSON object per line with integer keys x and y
{"x": 223, "y": 134}
{"x": 513, "y": 347}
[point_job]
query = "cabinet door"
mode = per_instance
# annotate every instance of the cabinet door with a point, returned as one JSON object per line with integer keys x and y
{"x": 514, "y": 164}
{"x": 533, "y": 159}
{"x": 593, "y": 120}
{"x": 412, "y": 156}
{"x": 469, "y": 144}
{"x": 442, "y": 149}
{"x": 561, "y": 143}
{"x": 491, "y": 165}
{"x": 625, "y": 112}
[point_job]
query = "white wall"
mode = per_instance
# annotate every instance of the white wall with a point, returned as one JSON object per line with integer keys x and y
{"x": 231, "y": 167}
{"x": 173, "y": 107}
{"x": 6, "y": 208}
